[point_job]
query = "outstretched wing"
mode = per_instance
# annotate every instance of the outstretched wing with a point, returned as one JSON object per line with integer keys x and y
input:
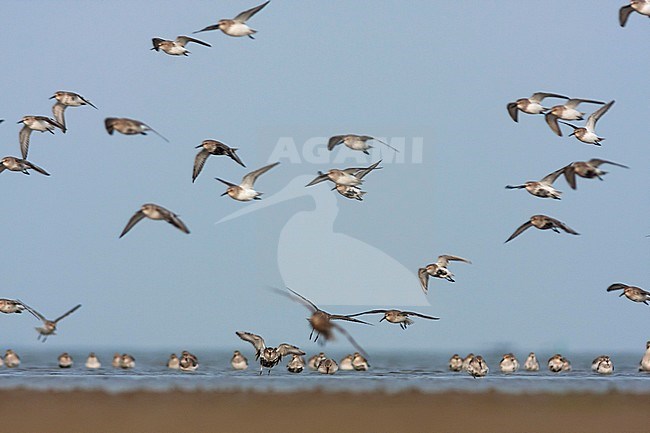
{"x": 133, "y": 221}
{"x": 335, "y": 140}
{"x": 199, "y": 162}
{"x": 255, "y": 340}
{"x": 574, "y": 102}
{"x": 183, "y": 40}
{"x": 23, "y": 138}
{"x": 299, "y": 298}
{"x": 551, "y": 121}
{"x": 423, "y": 275}
{"x": 367, "y": 312}
{"x": 66, "y": 314}
{"x": 350, "y": 339}
{"x": 424, "y": 316}
{"x": 347, "y": 319}
{"x": 550, "y": 178}
{"x": 364, "y": 171}
{"x": 593, "y": 118}
{"x": 174, "y": 220}
{"x": 249, "y": 180}
{"x": 624, "y": 14}
{"x": 617, "y": 286}
{"x": 246, "y": 15}
{"x": 596, "y": 162}
{"x": 563, "y": 226}
{"x": 539, "y": 96}
{"x": 320, "y": 178}
{"x": 519, "y": 230}
{"x": 513, "y": 110}
{"x": 570, "y": 176}
{"x": 33, "y": 312}
{"x": 285, "y": 349}
{"x": 36, "y": 167}
{"x": 444, "y": 260}
{"x": 58, "y": 109}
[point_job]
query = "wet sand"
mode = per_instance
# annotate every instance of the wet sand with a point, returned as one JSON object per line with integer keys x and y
{"x": 82, "y": 411}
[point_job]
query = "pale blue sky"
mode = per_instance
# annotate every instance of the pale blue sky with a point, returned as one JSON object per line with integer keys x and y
{"x": 430, "y": 71}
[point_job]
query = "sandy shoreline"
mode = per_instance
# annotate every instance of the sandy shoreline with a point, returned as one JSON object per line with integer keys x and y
{"x": 84, "y": 411}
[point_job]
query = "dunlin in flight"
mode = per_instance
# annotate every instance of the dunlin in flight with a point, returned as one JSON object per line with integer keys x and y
{"x": 64, "y": 100}
{"x": 438, "y": 270}
{"x": 348, "y": 177}
{"x": 542, "y": 222}
{"x": 566, "y": 111}
{"x": 587, "y": 169}
{"x": 632, "y": 293}
{"x": 92, "y": 362}
{"x": 175, "y": 47}
{"x": 12, "y": 360}
{"x": 238, "y": 361}
{"x": 640, "y": 6}
{"x": 269, "y": 357}
{"x": 244, "y": 191}
{"x": 296, "y": 364}
{"x": 65, "y": 360}
{"x": 531, "y": 363}
{"x": 156, "y": 213}
{"x": 587, "y": 134}
{"x": 455, "y": 362}
{"x": 355, "y": 142}
{"x": 212, "y": 147}
{"x": 12, "y": 163}
{"x": 129, "y": 127}
{"x": 351, "y": 191}
{"x": 602, "y": 365}
{"x": 35, "y": 123}
{"x": 237, "y": 26}
{"x": 188, "y": 361}
{"x": 542, "y": 188}
{"x": 509, "y": 363}
{"x": 322, "y": 322}
{"x": 644, "y": 364}
{"x": 477, "y": 367}
{"x": 49, "y": 326}
{"x": 532, "y": 105}
{"x": 396, "y": 316}
{"x": 9, "y": 306}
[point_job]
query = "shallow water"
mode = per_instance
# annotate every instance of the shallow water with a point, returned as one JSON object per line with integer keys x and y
{"x": 389, "y": 372}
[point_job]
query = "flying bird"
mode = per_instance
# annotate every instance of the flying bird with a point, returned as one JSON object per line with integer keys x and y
{"x": 35, "y": 123}
{"x": 542, "y": 222}
{"x": 212, "y": 147}
{"x": 587, "y": 134}
{"x": 532, "y": 105}
{"x": 12, "y": 163}
{"x": 64, "y": 100}
{"x": 396, "y": 316}
{"x": 269, "y": 357}
{"x": 587, "y": 169}
{"x": 438, "y": 270}
{"x": 321, "y": 321}
{"x": 175, "y": 47}
{"x": 244, "y": 191}
{"x": 542, "y": 188}
{"x": 49, "y": 326}
{"x": 355, "y": 142}
{"x": 128, "y": 127}
{"x": 635, "y": 294}
{"x": 237, "y": 26}
{"x": 640, "y": 6}
{"x": 347, "y": 177}
{"x": 566, "y": 111}
{"x": 155, "y": 212}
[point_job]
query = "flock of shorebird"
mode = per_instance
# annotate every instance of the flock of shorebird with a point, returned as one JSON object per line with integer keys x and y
{"x": 347, "y": 182}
